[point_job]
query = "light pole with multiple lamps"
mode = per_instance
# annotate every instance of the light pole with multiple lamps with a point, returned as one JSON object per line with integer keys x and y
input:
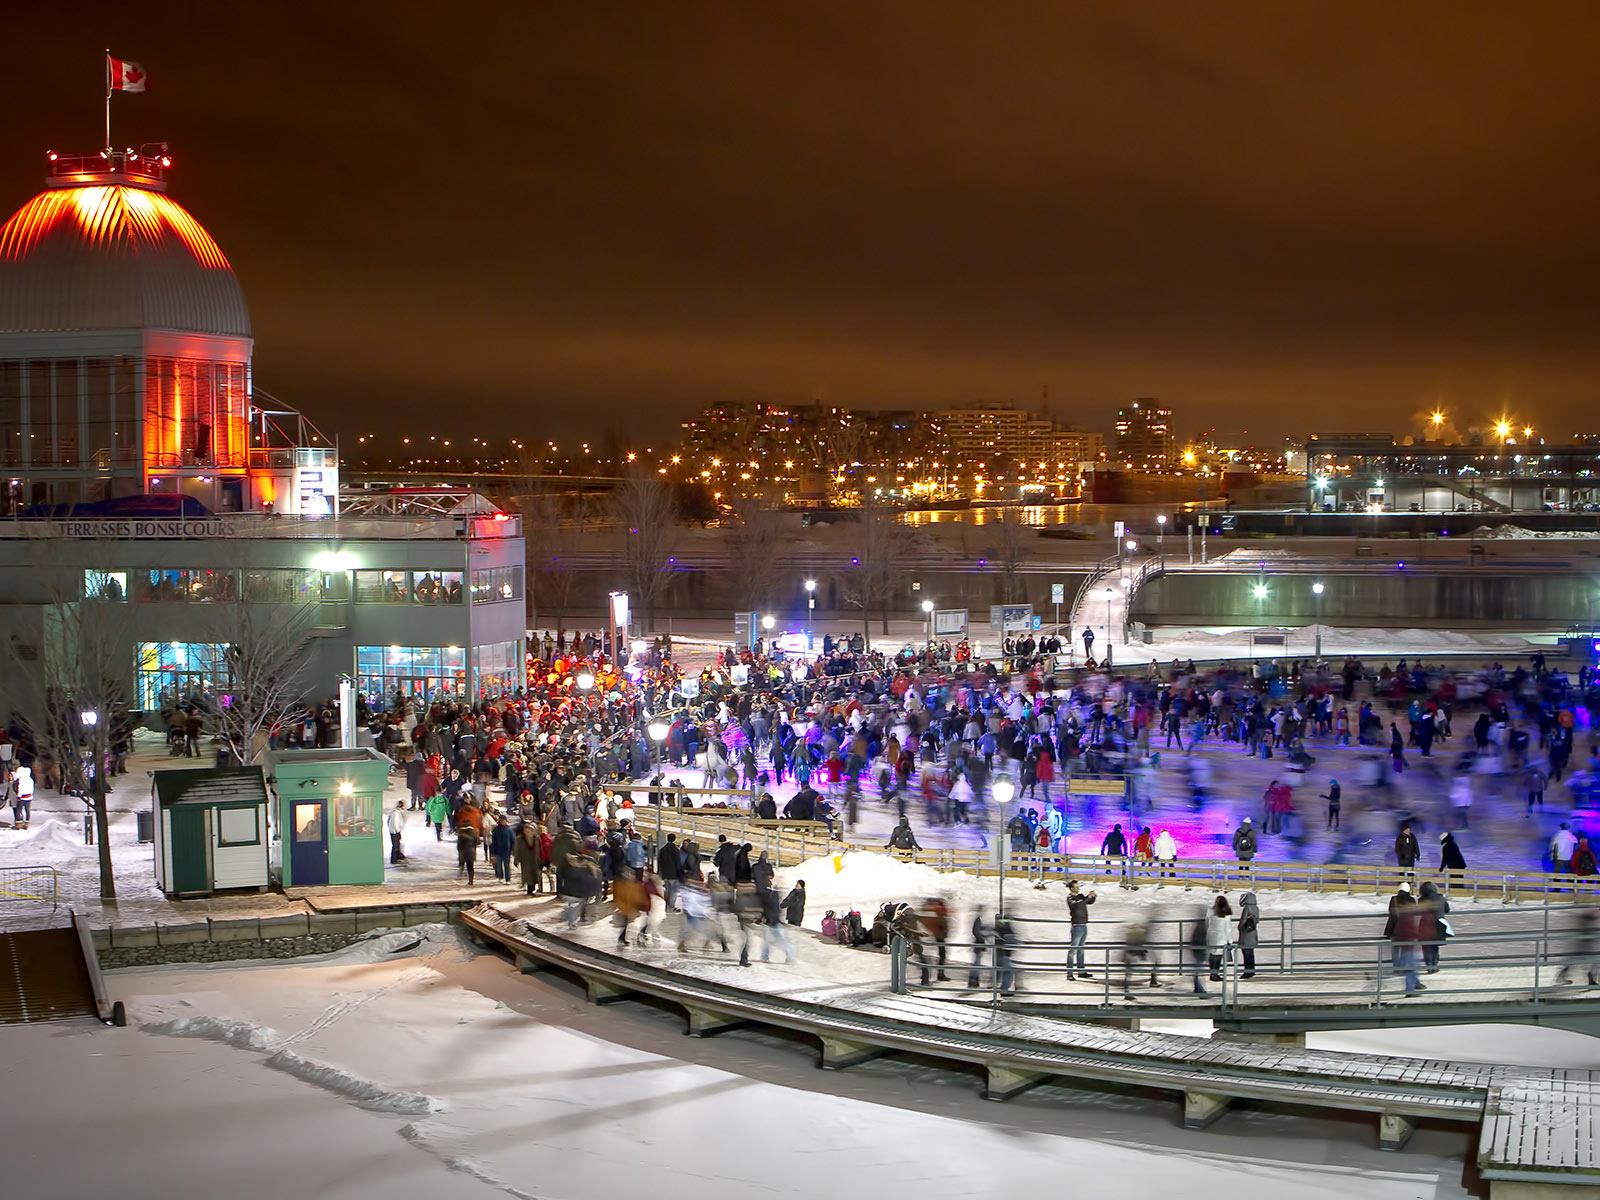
{"x": 1316, "y": 590}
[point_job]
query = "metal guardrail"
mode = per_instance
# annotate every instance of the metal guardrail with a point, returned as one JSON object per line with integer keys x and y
{"x": 31, "y": 883}
{"x": 787, "y": 848}
{"x": 1513, "y": 962}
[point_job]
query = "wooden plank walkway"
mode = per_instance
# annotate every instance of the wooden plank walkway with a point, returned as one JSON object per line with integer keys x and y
{"x": 1537, "y": 1124}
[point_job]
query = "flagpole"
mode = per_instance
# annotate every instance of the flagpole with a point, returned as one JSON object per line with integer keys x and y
{"x": 108, "y": 99}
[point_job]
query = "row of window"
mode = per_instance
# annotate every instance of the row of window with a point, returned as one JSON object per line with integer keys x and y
{"x": 288, "y": 585}
{"x": 488, "y": 585}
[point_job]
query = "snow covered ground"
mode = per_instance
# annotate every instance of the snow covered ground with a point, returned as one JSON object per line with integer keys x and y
{"x": 432, "y": 1071}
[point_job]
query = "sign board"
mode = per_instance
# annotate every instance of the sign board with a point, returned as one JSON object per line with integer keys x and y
{"x": 1119, "y": 528}
{"x": 1038, "y": 622}
{"x": 1097, "y": 787}
{"x": 1058, "y": 593}
{"x": 1226, "y": 523}
{"x": 1010, "y": 618}
{"x": 950, "y": 622}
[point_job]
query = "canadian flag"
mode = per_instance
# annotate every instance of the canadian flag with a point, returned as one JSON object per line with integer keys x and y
{"x": 125, "y": 76}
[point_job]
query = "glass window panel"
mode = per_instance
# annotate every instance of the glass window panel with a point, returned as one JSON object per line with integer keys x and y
{"x": 308, "y": 823}
{"x": 354, "y": 816}
{"x": 237, "y": 827}
{"x": 105, "y": 585}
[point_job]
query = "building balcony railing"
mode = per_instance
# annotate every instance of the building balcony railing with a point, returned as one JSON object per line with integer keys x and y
{"x": 267, "y": 526}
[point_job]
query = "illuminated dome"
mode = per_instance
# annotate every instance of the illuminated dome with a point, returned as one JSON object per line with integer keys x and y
{"x": 114, "y": 257}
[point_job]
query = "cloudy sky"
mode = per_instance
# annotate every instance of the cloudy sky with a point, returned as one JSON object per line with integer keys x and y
{"x": 568, "y": 216}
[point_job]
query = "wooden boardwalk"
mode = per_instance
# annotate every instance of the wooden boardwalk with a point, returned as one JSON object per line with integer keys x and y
{"x": 1538, "y": 1126}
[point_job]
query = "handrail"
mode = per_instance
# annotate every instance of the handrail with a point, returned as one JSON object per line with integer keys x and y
{"x": 1220, "y": 875}
{"x": 110, "y": 1013}
{"x": 19, "y": 883}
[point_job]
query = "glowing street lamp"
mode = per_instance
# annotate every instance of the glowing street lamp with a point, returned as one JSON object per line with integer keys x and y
{"x": 585, "y": 681}
{"x": 927, "y": 620}
{"x": 1161, "y": 528}
{"x": 1004, "y": 790}
{"x": 1317, "y": 590}
{"x": 811, "y": 606}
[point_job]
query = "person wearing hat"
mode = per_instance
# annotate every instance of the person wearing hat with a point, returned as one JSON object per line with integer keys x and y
{"x": 1450, "y": 857}
{"x": 1406, "y": 848}
{"x": 1244, "y": 842}
{"x": 1332, "y": 797}
{"x": 1402, "y": 899}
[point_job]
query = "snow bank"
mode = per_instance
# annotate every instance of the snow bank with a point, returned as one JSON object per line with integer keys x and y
{"x": 1507, "y": 532}
{"x": 243, "y": 1035}
{"x": 246, "y": 1035}
{"x": 394, "y": 943}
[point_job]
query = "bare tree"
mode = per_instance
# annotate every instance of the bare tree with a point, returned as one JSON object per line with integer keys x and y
{"x": 555, "y": 527}
{"x": 71, "y": 677}
{"x": 266, "y": 631}
{"x": 647, "y": 514}
{"x": 1009, "y": 540}
{"x": 881, "y": 556}
{"x": 754, "y": 548}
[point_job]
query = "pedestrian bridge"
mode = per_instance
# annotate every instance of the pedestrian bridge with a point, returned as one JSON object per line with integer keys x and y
{"x": 1536, "y": 1125}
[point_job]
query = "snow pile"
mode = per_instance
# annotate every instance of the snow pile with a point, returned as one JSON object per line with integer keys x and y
{"x": 242, "y": 1035}
{"x": 1505, "y": 532}
{"x": 394, "y": 943}
{"x": 246, "y": 1035}
{"x": 865, "y": 880}
{"x": 366, "y": 1094}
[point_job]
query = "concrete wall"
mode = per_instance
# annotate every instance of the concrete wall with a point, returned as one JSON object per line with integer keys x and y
{"x": 1399, "y": 599}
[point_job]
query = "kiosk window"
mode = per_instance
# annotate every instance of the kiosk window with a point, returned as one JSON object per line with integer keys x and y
{"x": 237, "y": 827}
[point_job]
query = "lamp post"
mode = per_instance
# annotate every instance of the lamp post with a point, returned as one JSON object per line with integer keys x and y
{"x": 1161, "y": 530}
{"x": 1004, "y": 790}
{"x": 927, "y": 620}
{"x": 811, "y": 607}
{"x": 1316, "y": 590}
{"x": 1110, "y": 592}
{"x": 767, "y": 623}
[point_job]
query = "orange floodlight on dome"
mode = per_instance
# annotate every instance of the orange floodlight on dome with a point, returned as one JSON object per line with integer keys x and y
{"x": 132, "y": 220}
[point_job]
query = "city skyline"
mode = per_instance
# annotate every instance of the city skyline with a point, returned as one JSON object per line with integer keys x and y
{"x": 571, "y": 220}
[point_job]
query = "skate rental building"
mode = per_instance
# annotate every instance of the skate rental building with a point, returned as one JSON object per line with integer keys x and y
{"x": 139, "y": 464}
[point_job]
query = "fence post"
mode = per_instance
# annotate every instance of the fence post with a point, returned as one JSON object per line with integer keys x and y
{"x": 897, "y": 974}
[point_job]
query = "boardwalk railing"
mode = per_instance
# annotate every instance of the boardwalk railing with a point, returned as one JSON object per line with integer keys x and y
{"x": 30, "y": 883}
{"x": 786, "y": 848}
{"x": 1508, "y": 958}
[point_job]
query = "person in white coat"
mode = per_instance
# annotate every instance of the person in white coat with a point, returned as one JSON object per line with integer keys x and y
{"x": 1219, "y": 935}
{"x": 397, "y": 826}
{"x": 1166, "y": 852}
{"x": 22, "y": 803}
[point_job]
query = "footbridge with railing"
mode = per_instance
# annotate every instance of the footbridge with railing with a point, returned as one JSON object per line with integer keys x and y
{"x": 1536, "y": 1125}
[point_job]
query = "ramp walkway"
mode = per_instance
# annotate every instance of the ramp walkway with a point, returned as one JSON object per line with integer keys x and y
{"x": 1533, "y": 1131}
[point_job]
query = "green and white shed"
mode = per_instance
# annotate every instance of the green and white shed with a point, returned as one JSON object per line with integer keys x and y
{"x": 211, "y": 830}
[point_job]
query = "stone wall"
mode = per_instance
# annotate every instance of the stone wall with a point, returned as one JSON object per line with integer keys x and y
{"x": 288, "y": 936}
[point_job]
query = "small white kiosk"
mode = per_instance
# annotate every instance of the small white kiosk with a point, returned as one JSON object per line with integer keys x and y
{"x": 211, "y": 830}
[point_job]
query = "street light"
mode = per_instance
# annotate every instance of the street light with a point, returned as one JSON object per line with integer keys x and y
{"x": 1316, "y": 590}
{"x": 768, "y": 621}
{"x": 1161, "y": 529}
{"x": 585, "y": 681}
{"x": 811, "y": 607}
{"x": 1004, "y": 790}
{"x": 927, "y": 618}
{"x": 1109, "y": 593}
{"x": 90, "y": 718}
